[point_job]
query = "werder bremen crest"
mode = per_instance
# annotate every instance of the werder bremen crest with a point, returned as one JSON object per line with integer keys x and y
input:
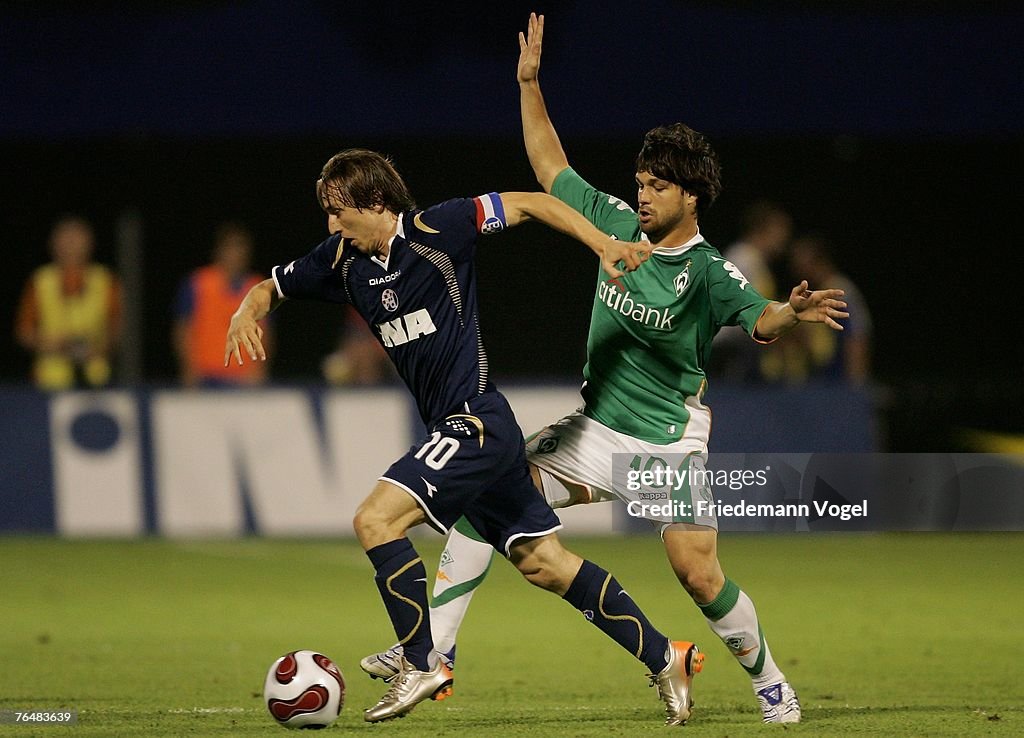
{"x": 682, "y": 280}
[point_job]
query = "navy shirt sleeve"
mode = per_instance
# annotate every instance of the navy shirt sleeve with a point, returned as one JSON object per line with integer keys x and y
{"x": 314, "y": 276}
{"x": 453, "y": 225}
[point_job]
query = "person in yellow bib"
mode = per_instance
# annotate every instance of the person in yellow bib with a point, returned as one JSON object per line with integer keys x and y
{"x": 70, "y": 312}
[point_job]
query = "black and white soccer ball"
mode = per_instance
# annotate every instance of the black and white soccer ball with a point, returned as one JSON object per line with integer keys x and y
{"x": 304, "y": 689}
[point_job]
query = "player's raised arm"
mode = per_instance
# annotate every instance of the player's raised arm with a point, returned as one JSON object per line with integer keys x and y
{"x": 804, "y": 306}
{"x": 522, "y": 206}
{"x": 244, "y": 332}
{"x": 542, "y": 145}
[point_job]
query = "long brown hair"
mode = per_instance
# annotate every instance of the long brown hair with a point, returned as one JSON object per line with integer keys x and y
{"x": 359, "y": 178}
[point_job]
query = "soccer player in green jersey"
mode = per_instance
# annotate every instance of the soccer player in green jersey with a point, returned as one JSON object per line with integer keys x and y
{"x": 650, "y": 338}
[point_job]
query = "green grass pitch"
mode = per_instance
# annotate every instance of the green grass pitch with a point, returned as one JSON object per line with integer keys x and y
{"x": 912, "y": 634}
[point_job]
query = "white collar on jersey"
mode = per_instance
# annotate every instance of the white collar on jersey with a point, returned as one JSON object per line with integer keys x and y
{"x": 677, "y": 250}
{"x": 399, "y": 231}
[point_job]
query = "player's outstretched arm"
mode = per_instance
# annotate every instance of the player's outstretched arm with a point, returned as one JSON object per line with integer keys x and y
{"x": 522, "y": 206}
{"x": 542, "y": 145}
{"x": 804, "y": 306}
{"x": 244, "y": 332}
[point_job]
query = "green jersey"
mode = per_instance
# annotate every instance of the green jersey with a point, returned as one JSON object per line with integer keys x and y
{"x": 651, "y": 329}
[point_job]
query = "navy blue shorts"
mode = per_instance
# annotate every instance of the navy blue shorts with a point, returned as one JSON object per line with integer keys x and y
{"x": 474, "y": 464}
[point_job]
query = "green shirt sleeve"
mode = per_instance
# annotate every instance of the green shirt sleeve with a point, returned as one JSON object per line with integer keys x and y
{"x": 734, "y": 301}
{"x": 610, "y": 214}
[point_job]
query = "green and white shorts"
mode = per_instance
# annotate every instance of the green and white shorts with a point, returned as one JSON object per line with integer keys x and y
{"x": 662, "y": 483}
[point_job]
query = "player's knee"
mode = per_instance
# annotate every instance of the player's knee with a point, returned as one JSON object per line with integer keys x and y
{"x": 702, "y": 583}
{"x": 371, "y": 526}
{"x": 540, "y": 576}
{"x": 546, "y": 564}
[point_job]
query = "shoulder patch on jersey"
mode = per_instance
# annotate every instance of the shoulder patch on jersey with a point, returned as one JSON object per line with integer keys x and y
{"x": 618, "y": 203}
{"x": 418, "y": 222}
{"x": 735, "y": 273}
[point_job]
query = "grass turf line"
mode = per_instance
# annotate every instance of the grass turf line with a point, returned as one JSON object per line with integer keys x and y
{"x": 913, "y": 634}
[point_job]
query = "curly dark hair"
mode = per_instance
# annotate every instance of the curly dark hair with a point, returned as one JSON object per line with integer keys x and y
{"x": 679, "y": 154}
{"x": 360, "y": 178}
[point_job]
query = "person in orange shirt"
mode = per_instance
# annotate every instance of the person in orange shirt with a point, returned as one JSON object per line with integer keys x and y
{"x": 203, "y": 308}
{"x": 70, "y": 312}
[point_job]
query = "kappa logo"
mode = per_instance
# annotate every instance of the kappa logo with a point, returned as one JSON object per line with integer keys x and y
{"x": 734, "y": 272}
{"x": 652, "y": 495}
{"x": 619, "y": 204}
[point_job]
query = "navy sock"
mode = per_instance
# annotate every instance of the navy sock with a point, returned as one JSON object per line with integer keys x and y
{"x": 402, "y": 581}
{"x": 601, "y": 599}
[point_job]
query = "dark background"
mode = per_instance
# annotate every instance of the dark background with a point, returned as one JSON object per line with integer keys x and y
{"x": 896, "y": 132}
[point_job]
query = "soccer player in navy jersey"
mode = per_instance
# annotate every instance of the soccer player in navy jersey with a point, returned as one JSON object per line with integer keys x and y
{"x": 645, "y": 380}
{"x": 409, "y": 273}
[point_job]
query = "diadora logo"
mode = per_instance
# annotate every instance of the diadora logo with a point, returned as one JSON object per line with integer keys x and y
{"x": 374, "y": 281}
{"x": 734, "y": 272}
{"x": 620, "y": 300}
{"x": 682, "y": 279}
{"x": 389, "y": 299}
{"x": 407, "y": 328}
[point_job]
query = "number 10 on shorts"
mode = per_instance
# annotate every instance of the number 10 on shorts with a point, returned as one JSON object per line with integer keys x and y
{"x": 438, "y": 451}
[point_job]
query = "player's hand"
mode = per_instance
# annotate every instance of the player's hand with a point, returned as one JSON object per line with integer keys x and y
{"x": 244, "y": 336}
{"x": 529, "y": 49}
{"x": 819, "y": 306}
{"x": 630, "y": 255}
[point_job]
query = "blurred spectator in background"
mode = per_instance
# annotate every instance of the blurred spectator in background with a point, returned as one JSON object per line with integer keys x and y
{"x": 359, "y": 359}
{"x": 203, "y": 308}
{"x": 831, "y": 355}
{"x": 70, "y": 312}
{"x": 767, "y": 229}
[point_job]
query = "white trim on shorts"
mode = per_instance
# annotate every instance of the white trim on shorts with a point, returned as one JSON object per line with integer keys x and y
{"x": 419, "y": 501}
{"x": 517, "y": 536}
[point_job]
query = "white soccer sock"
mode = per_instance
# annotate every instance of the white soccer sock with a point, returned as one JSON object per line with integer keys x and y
{"x": 733, "y": 618}
{"x": 463, "y": 566}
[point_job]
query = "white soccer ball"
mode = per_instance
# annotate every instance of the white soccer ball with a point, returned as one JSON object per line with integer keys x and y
{"x": 304, "y": 689}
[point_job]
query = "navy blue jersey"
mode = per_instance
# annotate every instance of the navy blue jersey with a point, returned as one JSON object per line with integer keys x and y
{"x": 420, "y": 302}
